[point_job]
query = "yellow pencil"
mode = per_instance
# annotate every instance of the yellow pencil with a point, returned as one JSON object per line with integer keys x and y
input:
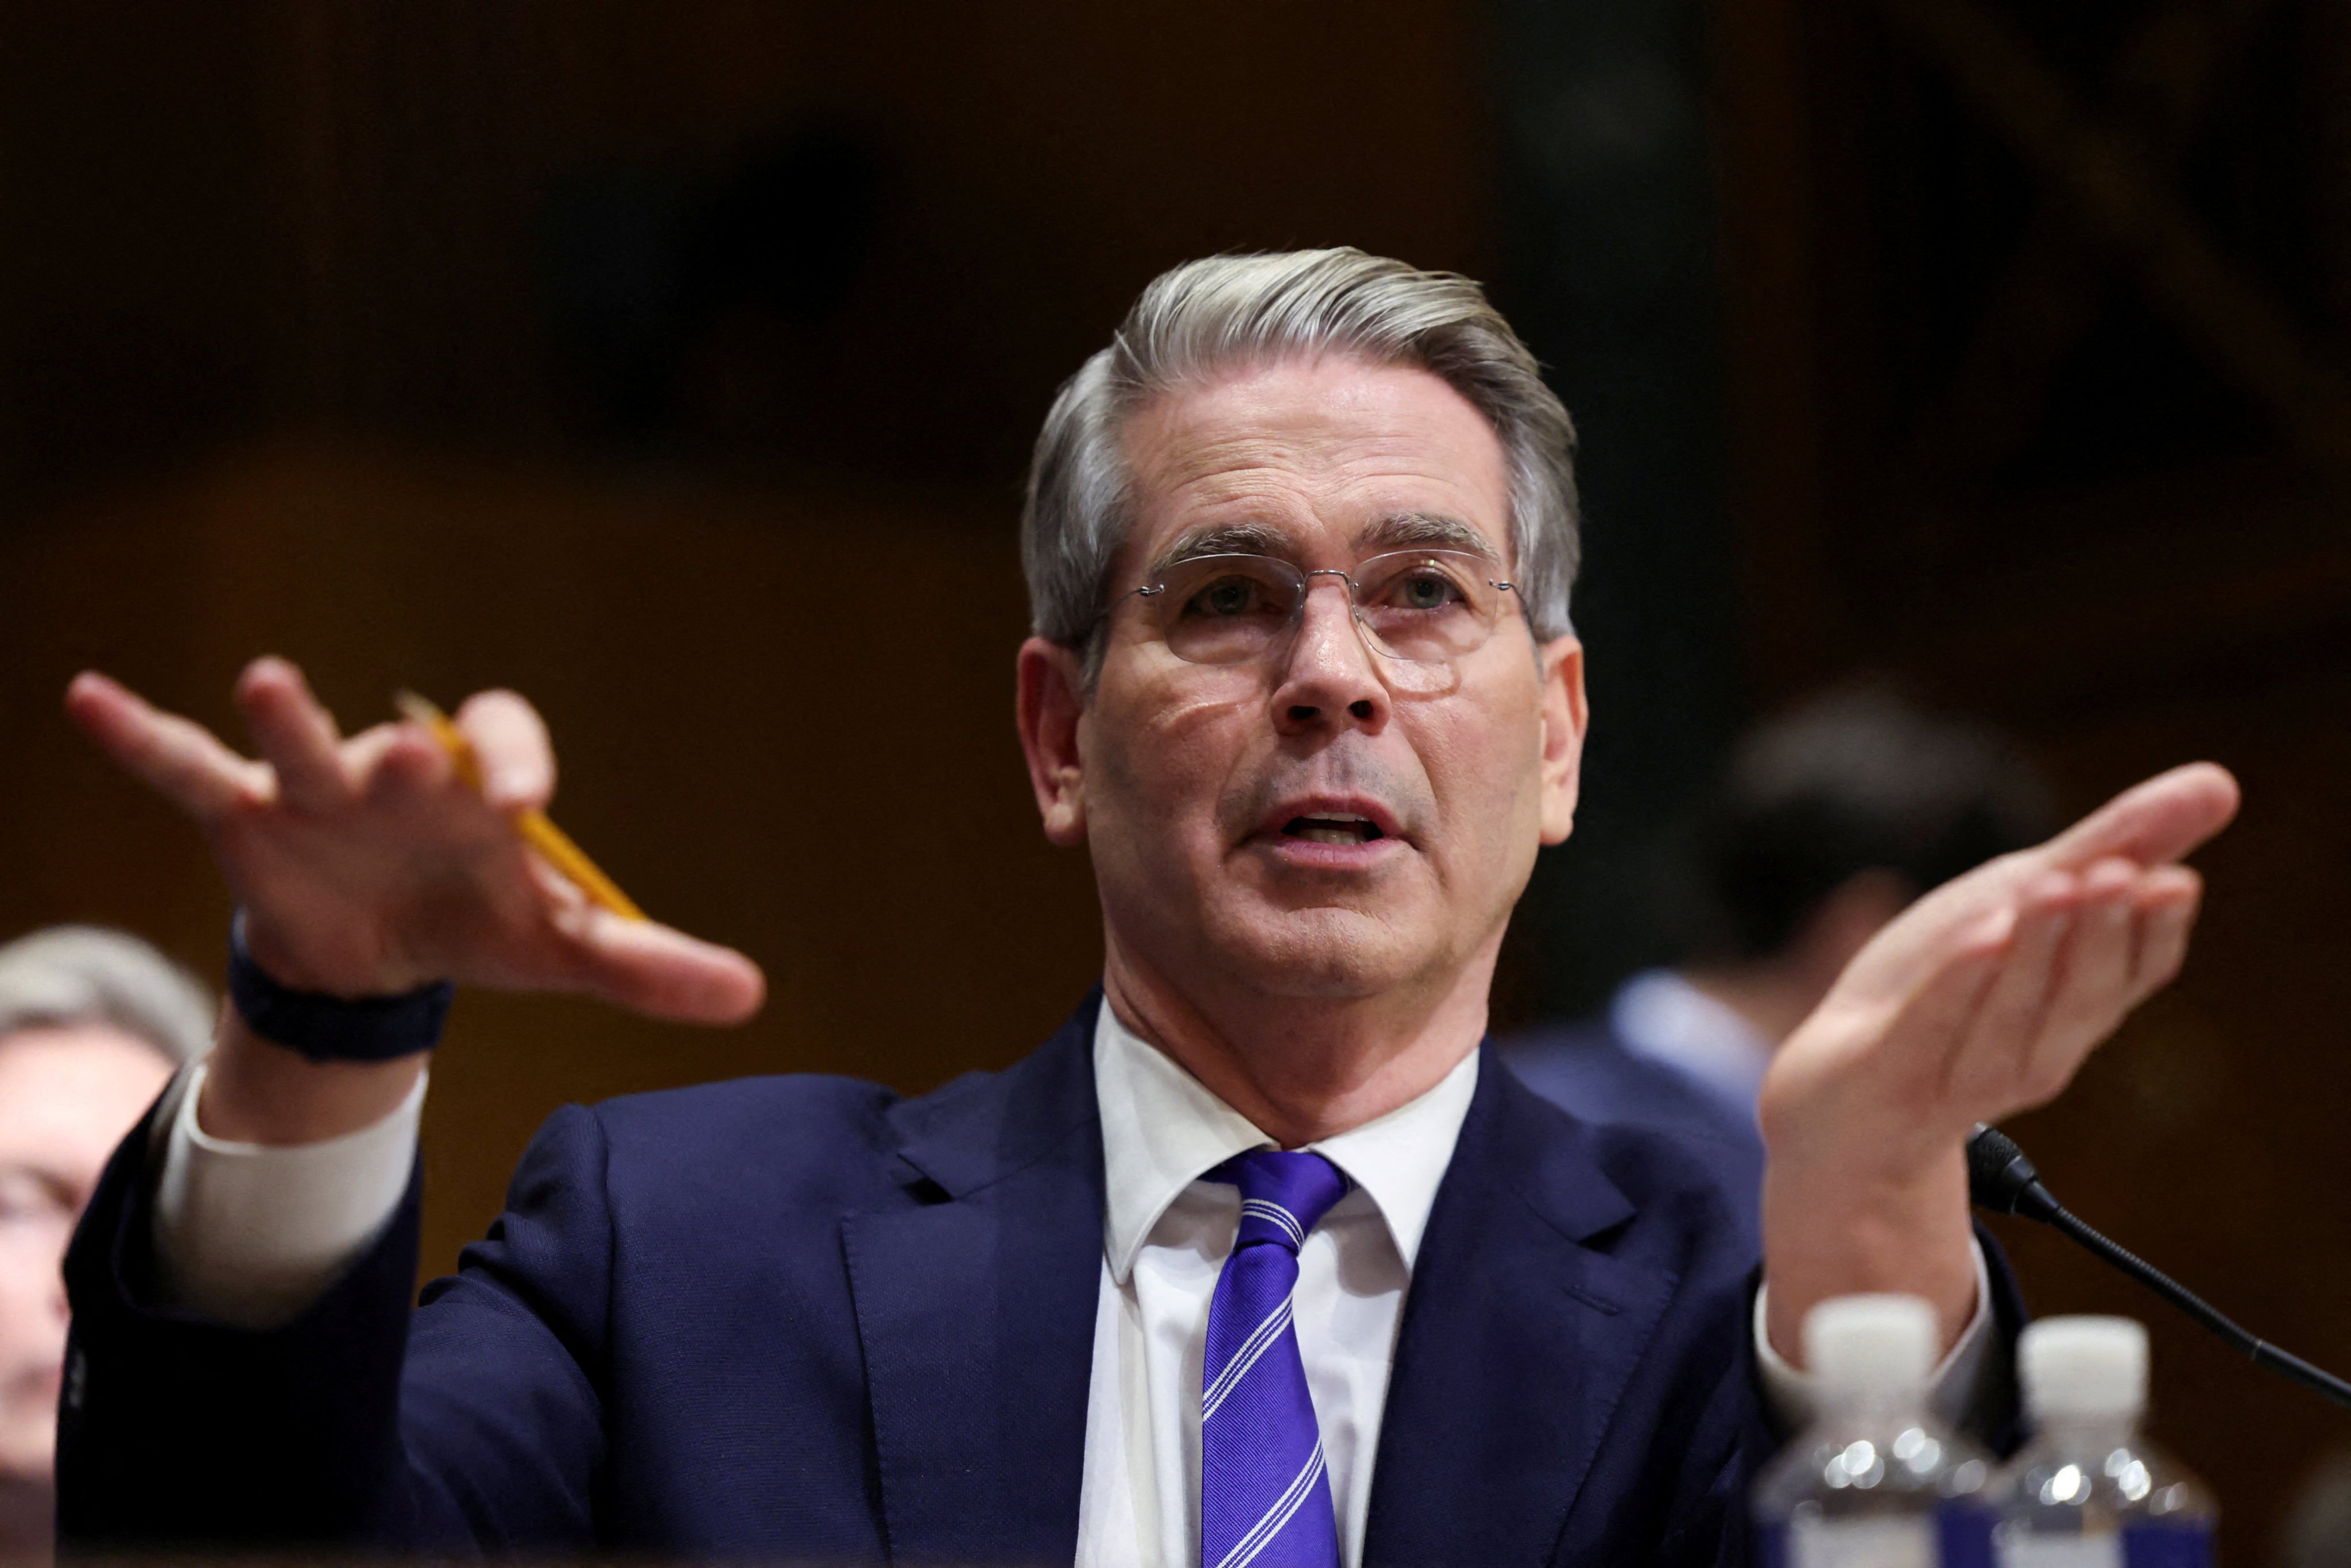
{"x": 535, "y": 830}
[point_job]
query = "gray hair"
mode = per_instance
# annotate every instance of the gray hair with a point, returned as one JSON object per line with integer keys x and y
{"x": 72, "y": 974}
{"x": 1235, "y": 311}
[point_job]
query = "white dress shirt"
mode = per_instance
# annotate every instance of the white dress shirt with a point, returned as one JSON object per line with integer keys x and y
{"x": 251, "y": 1234}
{"x": 1165, "y": 1237}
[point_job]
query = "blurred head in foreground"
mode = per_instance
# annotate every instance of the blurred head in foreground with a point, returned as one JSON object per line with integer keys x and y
{"x": 92, "y": 1023}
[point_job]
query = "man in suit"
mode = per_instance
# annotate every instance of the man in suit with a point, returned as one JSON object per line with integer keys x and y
{"x": 1829, "y": 822}
{"x": 1254, "y": 1262}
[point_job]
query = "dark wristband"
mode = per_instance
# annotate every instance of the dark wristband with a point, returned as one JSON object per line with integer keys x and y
{"x": 333, "y": 1029}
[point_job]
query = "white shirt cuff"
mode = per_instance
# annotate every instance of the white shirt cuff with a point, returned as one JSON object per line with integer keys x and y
{"x": 251, "y": 1234}
{"x": 1794, "y": 1396}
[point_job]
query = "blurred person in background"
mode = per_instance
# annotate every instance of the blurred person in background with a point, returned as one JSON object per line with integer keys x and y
{"x": 1830, "y": 821}
{"x": 92, "y": 1024}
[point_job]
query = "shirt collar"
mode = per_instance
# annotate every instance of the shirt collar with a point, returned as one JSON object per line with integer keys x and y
{"x": 1162, "y": 1129}
{"x": 1658, "y": 1014}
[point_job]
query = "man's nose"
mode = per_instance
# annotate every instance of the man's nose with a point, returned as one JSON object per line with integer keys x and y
{"x": 1329, "y": 677}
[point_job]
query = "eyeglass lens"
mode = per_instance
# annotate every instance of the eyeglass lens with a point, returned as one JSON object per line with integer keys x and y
{"x": 1425, "y": 606}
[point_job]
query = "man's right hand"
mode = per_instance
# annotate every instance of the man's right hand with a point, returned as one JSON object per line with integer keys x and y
{"x": 366, "y": 867}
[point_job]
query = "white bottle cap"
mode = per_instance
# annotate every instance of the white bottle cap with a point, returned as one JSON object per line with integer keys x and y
{"x": 2082, "y": 1368}
{"x": 1864, "y": 1345}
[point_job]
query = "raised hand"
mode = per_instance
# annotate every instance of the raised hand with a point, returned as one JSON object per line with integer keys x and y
{"x": 1978, "y": 1001}
{"x": 1982, "y": 998}
{"x": 366, "y": 867}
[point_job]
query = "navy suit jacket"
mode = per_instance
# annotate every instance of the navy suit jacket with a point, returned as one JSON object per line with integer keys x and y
{"x": 1588, "y": 1071}
{"x": 804, "y": 1318}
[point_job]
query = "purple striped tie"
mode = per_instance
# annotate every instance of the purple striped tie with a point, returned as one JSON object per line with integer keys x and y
{"x": 1264, "y": 1498}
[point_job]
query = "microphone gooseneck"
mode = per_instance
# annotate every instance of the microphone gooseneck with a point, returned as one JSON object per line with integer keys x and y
{"x": 2002, "y": 1179}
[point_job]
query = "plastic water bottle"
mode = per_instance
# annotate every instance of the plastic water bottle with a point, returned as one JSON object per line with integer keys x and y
{"x": 2088, "y": 1491}
{"x": 1876, "y": 1481}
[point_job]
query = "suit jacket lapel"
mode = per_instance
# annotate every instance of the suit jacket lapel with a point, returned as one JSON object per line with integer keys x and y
{"x": 976, "y": 1312}
{"x": 1517, "y": 1343}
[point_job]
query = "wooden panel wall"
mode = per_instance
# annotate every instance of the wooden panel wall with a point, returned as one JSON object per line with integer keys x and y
{"x": 231, "y": 218}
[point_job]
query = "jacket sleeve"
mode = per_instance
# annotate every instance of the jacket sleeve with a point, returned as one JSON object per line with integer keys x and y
{"x": 473, "y": 1423}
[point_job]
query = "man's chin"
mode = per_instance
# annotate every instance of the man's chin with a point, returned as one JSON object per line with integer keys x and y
{"x": 1328, "y": 952}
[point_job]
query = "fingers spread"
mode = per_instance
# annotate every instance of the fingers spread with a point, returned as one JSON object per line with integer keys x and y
{"x": 664, "y": 972}
{"x": 388, "y": 761}
{"x": 296, "y": 735}
{"x": 509, "y": 741}
{"x": 2151, "y": 823}
{"x": 180, "y": 758}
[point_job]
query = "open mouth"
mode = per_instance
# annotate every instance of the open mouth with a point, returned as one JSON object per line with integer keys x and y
{"x": 1332, "y": 827}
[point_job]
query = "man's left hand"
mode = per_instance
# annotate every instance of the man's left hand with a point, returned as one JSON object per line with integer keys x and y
{"x": 1979, "y": 1002}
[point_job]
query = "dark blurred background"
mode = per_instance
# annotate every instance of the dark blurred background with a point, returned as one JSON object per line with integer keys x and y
{"x": 676, "y": 364}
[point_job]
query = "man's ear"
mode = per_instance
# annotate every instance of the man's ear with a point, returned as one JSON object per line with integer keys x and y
{"x": 1051, "y": 701}
{"x": 1565, "y": 718}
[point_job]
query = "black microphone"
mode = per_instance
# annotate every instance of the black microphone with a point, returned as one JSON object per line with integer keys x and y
{"x": 2002, "y": 1179}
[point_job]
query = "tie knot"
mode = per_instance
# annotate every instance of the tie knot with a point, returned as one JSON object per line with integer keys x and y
{"x": 1283, "y": 1195}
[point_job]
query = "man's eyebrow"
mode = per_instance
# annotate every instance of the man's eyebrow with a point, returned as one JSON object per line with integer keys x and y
{"x": 1397, "y": 530}
{"x": 1224, "y": 539}
{"x": 1426, "y": 531}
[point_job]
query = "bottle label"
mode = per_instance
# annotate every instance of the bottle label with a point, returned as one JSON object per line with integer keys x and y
{"x": 2022, "y": 1551}
{"x": 1815, "y": 1542}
